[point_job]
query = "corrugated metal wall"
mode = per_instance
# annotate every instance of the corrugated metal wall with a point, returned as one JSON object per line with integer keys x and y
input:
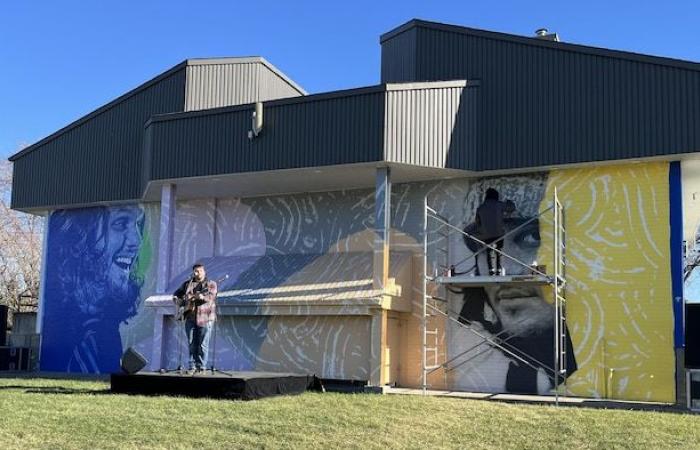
{"x": 238, "y": 83}
{"x": 99, "y": 159}
{"x": 399, "y": 57}
{"x": 536, "y": 105}
{"x": 314, "y": 131}
{"x": 215, "y": 85}
{"x": 543, "y": 105}
{"x": 273, "y": 87}
{"x": 433, "y": 127}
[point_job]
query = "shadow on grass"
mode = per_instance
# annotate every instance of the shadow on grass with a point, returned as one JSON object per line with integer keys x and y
{"x": 55, "y": 390}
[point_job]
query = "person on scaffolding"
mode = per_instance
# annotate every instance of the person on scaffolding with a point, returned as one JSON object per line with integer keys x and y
{"x": 490, "y": 227}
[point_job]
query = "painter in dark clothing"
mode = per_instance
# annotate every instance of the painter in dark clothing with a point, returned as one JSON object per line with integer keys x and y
{"x": 490, "y": 226}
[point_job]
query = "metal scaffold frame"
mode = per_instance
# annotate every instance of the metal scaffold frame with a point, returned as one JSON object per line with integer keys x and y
{"x": 443, "y": 276}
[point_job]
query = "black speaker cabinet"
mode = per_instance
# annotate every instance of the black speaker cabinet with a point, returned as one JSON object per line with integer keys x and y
{"x": 3, "y": 325}
{"x": 692, "y": 336}
{"x": 132, "y": 361}
{"x": 693, "y": 389}
{"x": 14, "y": 358}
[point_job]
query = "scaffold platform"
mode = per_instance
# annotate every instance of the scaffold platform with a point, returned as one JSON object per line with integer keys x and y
{"x": 492, "y": 280}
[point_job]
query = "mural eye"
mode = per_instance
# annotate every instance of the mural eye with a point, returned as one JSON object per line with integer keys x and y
{"x": 120, "y": 224}
{"x": 529, "y": 237}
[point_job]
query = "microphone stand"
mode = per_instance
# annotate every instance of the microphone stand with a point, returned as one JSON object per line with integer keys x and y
{"x": 177, "y": 318}
{"x": 216, "y": 325}
{"x": 178, "y": 333}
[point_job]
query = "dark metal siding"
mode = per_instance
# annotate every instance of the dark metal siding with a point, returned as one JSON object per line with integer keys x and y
{"x": 546, "y": 106}
{"x": 399, "y": 58}
{"x": 304, "y": 133}
{"x": 99, "y": 159}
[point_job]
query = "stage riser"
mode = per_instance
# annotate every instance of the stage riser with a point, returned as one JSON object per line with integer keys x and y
{"x": 226, "y": 386}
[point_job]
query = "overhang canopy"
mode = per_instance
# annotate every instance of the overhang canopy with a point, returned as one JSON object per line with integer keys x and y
{"x": 313, "y": 142}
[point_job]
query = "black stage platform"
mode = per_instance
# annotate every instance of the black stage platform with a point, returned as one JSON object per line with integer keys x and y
{"x": 230, "y": 385}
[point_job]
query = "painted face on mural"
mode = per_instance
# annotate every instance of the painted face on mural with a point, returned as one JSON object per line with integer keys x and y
{"x": 123, "y": 239}
{"x": 517, "y": 313}
{"x": 520, "y": 310}
{"x": 521, "y": 242}
{"x": 91, "y": 284}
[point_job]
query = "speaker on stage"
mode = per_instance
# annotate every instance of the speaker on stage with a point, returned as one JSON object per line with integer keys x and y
{"x": 132, "y": 361}
{"x": 692, "y": 335}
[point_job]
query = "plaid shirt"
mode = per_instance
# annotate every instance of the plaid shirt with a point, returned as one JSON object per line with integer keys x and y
{"x": 206, "y": 310}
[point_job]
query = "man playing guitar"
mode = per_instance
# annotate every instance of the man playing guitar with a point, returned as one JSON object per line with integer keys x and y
{"x": 196, "y": 299}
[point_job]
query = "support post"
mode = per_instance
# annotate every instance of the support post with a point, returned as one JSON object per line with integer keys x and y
{"x": 165, "y": 239}
{"x": 159, "y": 330}
{"x": 375, "y": 362}
{"x": 382, "y": 221}
{"x": 42, "y": 287}
{"x": 424, "y": 299}
{"x": 556, "y": 298}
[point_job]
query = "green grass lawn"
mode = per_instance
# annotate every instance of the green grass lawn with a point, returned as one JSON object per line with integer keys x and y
{"x": 42, "y": 413}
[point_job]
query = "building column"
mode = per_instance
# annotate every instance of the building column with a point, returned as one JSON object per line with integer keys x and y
{"x": 382, "y": 227}
{"x": 165, "y": 239}
{"x": 41, "y": 303}
{"x": 375, "y": 347}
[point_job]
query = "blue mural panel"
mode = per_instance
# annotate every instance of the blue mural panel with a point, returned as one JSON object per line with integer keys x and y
{"x": 676, "y": 223}
{"x": 93, "y": 285}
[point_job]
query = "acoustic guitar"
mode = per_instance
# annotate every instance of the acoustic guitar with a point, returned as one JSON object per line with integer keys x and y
{"x": 188, "y": 304}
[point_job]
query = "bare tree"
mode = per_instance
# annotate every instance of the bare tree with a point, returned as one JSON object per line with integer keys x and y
{"x": 20, "y": 250}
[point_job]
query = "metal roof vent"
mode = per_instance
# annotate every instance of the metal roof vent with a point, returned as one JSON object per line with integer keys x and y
{"x": 543, "y": 33}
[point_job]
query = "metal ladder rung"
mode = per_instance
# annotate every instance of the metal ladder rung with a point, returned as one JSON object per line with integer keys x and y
{"x": 433, "y": 367}
{"x": 435, "y": 332}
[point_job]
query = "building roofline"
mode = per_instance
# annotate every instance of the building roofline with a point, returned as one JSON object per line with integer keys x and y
{"x": 533, "y": 41}
{"x": 386, "y": 87}
{"x": 188, "y": 62}
{"x": 98, "y": 111}
{"x": 247, "y": 60}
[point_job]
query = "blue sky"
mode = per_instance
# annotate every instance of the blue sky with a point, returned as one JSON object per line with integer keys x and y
{"x": 61, "y": 59}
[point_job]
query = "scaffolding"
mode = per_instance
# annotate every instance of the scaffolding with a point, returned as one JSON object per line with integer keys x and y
{"x": 440, "y": 277}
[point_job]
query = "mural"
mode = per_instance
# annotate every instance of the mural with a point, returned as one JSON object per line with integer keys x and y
{"x": 620, "y": 305}
{"x": 296, "y": 248}
{"x": 304, "y": 251}
{"x": 691, "y": 230}
{"x": 517, "y": 316}
{"x": 619, "y": 308}
{"x": 96, "y": 263}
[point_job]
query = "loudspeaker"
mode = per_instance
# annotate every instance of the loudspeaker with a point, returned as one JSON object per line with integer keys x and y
{"x": 132, "y": 361}
{"x": 14, "y": 358}
{"x": 692, "y": 336}
{"x": 3, "y": 325}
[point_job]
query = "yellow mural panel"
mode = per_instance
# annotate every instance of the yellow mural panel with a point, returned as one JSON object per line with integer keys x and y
{"x": 619, "y": 300}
